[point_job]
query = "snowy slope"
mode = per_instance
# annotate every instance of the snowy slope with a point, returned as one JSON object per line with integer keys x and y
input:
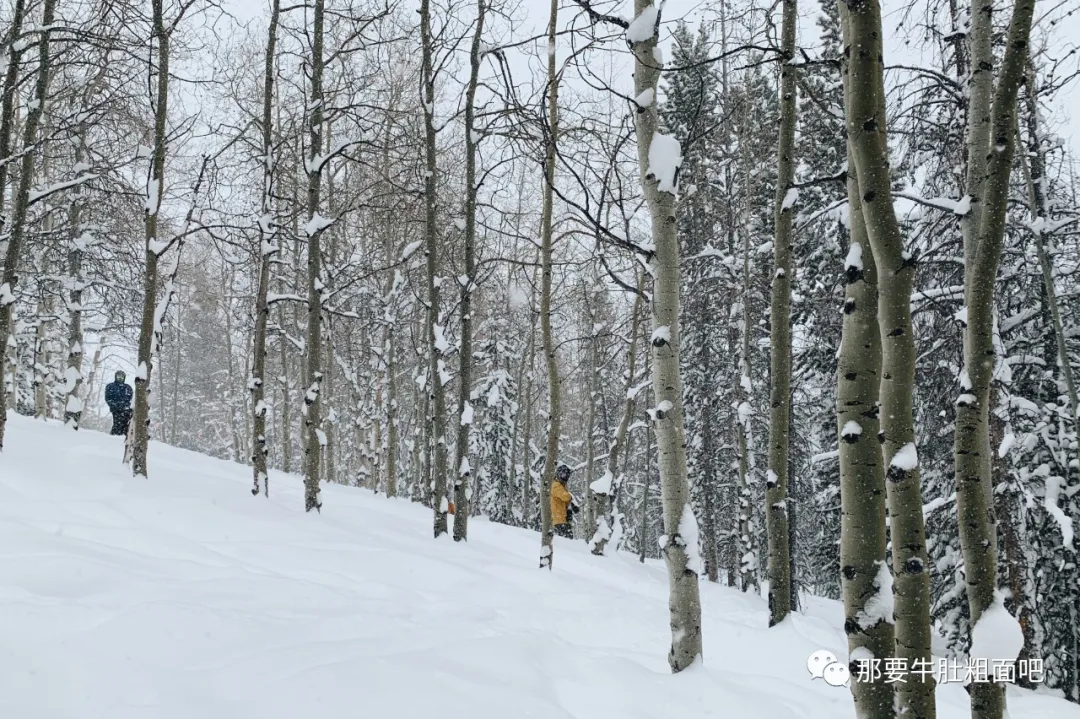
{"x": 183, "y": 596}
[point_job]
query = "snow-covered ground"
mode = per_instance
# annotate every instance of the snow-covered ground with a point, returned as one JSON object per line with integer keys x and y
{"x": 183, "y": 596}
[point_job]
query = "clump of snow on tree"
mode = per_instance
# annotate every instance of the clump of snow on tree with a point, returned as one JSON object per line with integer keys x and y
{"x": 851, "y": 430}
{"x": 316, "y": 224}
{"x": 645, "y": 99}
{"x": 861, "y": 654}
{"x": 467, "y": 415}
{"x": 688, "y": 530}
{"x": 906, "y": 458}
{"x": 603, "y": 533}
{"x": 997, "y": 635}
{"x": 853, "y": 261}
{"x": 440, "y": 340}
{"x": 661, "y": 335}
{"x": 644, "y": 25}
{"x": 1054, "y": 486}
{"x": 879, "y": 607}
{"x": 790, "y": 198}
{"x": 665, "y": 157}
{"x": 603, "y": 485}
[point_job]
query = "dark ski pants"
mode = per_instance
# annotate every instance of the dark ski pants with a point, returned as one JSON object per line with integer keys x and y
{"x": 565, "y": 530}
{"x": 120, "y": 420}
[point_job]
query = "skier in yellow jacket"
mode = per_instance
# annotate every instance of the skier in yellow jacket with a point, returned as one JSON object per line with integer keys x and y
{"x": 563, "y": 506}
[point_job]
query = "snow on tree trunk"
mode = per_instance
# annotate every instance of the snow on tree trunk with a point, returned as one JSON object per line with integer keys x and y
{"x": 659, "y": 157}
{"x": 79, "y": 240}
{"x": 437, "y": 446}
{"x": 7, "y": 296}
{"x": 315, "y": 444}
{"x": 21, "y": 194}
{"x": 864, "y": 104}
{"x": 467, "y": 284}
{"x": 776, "y": 487}
{"x": 862, "y": 477}
{"x": 155, "y": 186}
{"x": 267, "y": 249}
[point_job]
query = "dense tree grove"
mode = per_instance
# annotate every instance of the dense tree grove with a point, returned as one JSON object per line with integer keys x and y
{"x": 799, "y": 315}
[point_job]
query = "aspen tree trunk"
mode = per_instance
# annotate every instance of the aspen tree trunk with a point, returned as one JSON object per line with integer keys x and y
{"x": 980, "y": 79}
{"x": 644, "y": 524}
{"x": 140, "y": 422}
{"x": 865, "y": 118}
{"x": 862, "y": 477}
{"x": 174, "y": 425}
{"x": 1021, "y": 580}
{"x": 708, "y": 477}
{"x": 42, "y": 359}
{"x": 680, "y": 527}
{"x": 1034, "y": 165}
{"x": 526, "y": 460}
{"x": 21, "y": 200}
{"x": 547, "y": 534}
{"x": 7, "y": 124}
{"x": 776, "y": 483}
{"x": 286, "y": 406}
{"x": 591, "y": 383}
{"x": 463, "y": 470}
{"x": 605, "y": 506}
{"x": 228, "y": 277}
{"x": 437, "y": 446}
{"x": 391, "y": 416}
{"x": 315, "y": 436}
{"x": 286, "y": 440}
{"x": 267, "y": 249}
{"x": 390, "y": 338}
{"x": 326, "y": 385}
{"x": 74, "y": 378}
{"x": 649, "y": 445}
{"x": 40, "y": 356}
{"x": 747, "y": 559}
{"x": 973, "y": 453}
{"x": 91, "y": 376}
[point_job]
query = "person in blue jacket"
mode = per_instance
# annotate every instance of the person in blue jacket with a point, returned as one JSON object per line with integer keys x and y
{"x": 118, "y": 397}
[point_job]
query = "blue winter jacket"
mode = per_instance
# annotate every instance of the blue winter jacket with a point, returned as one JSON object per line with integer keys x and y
{"x": 118, "y": 396}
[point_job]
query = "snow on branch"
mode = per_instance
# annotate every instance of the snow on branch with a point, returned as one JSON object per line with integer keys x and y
{"x": 38, "y": 195}
{"x": 960, "y": 208}
{"x": 316, "y": 164}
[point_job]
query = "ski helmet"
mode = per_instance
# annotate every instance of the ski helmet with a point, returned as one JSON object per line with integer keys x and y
{"x": 121, "y": 377}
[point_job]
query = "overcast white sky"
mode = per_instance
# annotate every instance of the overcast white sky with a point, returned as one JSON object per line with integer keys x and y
{"x": 1059, "y": 40}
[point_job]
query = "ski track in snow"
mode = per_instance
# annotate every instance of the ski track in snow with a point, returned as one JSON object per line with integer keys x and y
{"x": 183, "y": 596}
